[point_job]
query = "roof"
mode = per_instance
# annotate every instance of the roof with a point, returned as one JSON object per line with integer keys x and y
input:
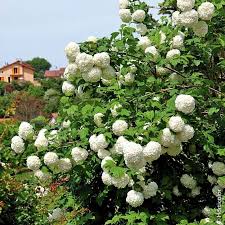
{"x": 54, "y": 73}
{"x": 19, "y": 62}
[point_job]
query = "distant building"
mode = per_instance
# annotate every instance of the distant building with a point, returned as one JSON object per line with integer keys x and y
{"x": 18, "y": 70}
{"x": 54, "y": 73}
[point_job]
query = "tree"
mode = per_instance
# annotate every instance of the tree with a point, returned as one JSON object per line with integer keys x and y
{"x": 40, "y": 65}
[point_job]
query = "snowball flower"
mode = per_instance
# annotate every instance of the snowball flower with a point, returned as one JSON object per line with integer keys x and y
{"x": 178, "y": 41}
{"x": 216, "y": 190}
{"x": 186, "y": 134}
{"x": 51, "y": 158}
{"x": 188, "y": 18}
{"x": 68, "y": 89}
{"x": 200, "y": 28}
{"x": 185, "y": 5}
{"x": 161, "y": 70}
{"x": 102, "y": 153}
{"x": 66, "y": 124}
{"x": 93, "y": 75}
{"x": 121, "y": 182}
{"x": 108, "y": 73}
{"x": 17, "y": 144}
{"x": 152, "y": 151}
{"x": 176, "y": 123}
{"x": 72, "y": 50}
{"x": 118, "y": 147}
{"x": 153, "y": 51}
{"x": 71, "y": 72}
{"x": 92, "y": 39}
{"x": 211, "y": 179}
{"x": 79, "y": 154}
{"x": 185, "y": 103}
{"x": 144, "y": 42}
{"x": 141, "y": 28}
{"x": 139, "y": 15}
{"x": 150, "y": 190}
{"x": 64, "y": 165}
{"x": 114, "y": 109}
{"x": 129, "y": 78}
{"x": 168, "y": 139}
{"x": 41, "y": 175}
{"x": 57, "y": 215}
{"x": 26, "y": 131}
{"x": 206, "y": 10}
{"x": 173, "y": 53}
{"x": 174, "y": 150}
{"x": 195, "y": 191}
{"x": 123, "y": 4}
{"x": 206, "y": 211}
{"x": 188, "y": 181}
{"x": 102, "y": 59}
{"x": 218, "y": 168}
{"x": 176, "y": 191}
{"x": 106, "y": 179}
{"x": 125, "y": 15}
{"x": 176, "y": 18}
{"x": 133, "y": 69}
{"x": 119, "y": 127}
{"x": 98, "y": 142}
{"x": 98, "y": 119}
{"x": 41, "y": 141}
{"x": 33, "y": 163}
{"x": 134, "y": 198}
{"x": 162, "y": 37}
{"x": 84, "y": 62}
{"x": 105, "y": 161}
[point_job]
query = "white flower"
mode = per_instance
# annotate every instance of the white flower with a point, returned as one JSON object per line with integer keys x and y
{"x": 168, "y": 139}
{"x": 161, "y": 70}
{"x": 206, "y": 211}
{"x": 106, "y": 179}
{"x": 79, "y": 154}
{"x": 92, "y": 39}
{"x": 17, "y": 144}
{"x": 185, "y": 5}
{"x": 186, "y": 134}
{"x": 134, "y": 198}
{"x": 216, "y": 190}
{"x": 41, "y": 141}
{"x": 33, "y": 163}
{"x": 176, "y": 191}
{"x": 152, "y": 151}
{"x": 98, "y": 119}
{"x": 139, "y": 15}
{"x": 173, "y": 53}
{"x": 218, "y": 168}
{"x": 176, "y": 77}
{"x": 119, "y": 127}
{"x": 125, "y": 15}
{"x": 185, "y": 103}
{"x": 123, "y": 4}
{"x": 57, "y": 215}
{"x": 121, "y": 182}
{"x": 93, "y": 75}
{"x": 174, "y": 150}
{"x": 26, "y": 131}
{"x": 102, "y": 59}
{"x": 188, "y": 181}
{"x": 51, "y": 158}
{"x": 118, "y": 147}
{"x": 72, "y": 50}
{"x": 144, "y": 42}
{"x": 98, "y": 142}
{"x": 188, "y": 18}
{"x": 133, "y": 69}
{"x": 105, "y": 161}
{"x": 150, "y": 190}
{"x": 129, "y": 78}
{"x": 176, "y": 18}
{"x": 68, "y": 89}
{"x": 102, "y": 153}
{"x": 40, "y": 191}
{"x": 205, "y": 221}
{"x": 195, "y": 191}
{"x": 133, "y": 155}
{"x": 41, "y": 175}
{"x": 211, "y": 179}
{"x": 141, "y": 28}
{"x": 108, "y": 73}
{"x": 153, "y": 51}
{"x": 71, "y": 72}
{"x": 64, "y": 165}
{"x": 66, "y": 124}
{"x": 84, "y": 62}
{"x": 178, "y": 41}
{"x": 206, "y": 10}
{"x": 114, "y": 109}
{"x": 162, "y": 37}
{"x": 176, "y": 123}
{"x": 200, "y": 28}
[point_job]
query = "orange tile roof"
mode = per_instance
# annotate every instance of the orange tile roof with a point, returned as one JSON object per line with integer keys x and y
{"x": 19, "y": 62}
{"x": 54, "y": 73}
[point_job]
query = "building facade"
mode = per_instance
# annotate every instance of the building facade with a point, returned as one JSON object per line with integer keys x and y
{"x": 17, "y": 71}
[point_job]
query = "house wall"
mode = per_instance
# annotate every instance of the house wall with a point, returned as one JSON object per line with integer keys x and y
{"x": 28, "y": 74}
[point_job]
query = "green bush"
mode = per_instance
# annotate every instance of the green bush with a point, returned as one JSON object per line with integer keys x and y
{"x": 36, "y": 91}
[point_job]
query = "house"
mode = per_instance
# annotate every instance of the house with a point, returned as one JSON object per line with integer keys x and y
{"x": 54, "y": 73}
{"x": 17, "y": 70}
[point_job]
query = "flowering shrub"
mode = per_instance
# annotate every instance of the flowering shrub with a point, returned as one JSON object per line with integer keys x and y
{"x": 140, "y": 135}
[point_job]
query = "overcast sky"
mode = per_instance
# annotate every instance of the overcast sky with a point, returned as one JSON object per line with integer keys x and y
{"x": 31, "y": 28}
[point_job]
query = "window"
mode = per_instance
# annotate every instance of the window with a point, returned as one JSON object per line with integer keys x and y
{"x": 15, "y": 78}
{"x": 15, "y": 70}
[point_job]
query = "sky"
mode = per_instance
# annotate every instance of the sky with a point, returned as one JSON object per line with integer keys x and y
{"x": 42, "y": 28}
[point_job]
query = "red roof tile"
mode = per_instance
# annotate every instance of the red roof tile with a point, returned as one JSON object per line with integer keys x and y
{"x": 54, "y": 73}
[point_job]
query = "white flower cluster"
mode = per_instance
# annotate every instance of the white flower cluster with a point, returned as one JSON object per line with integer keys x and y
{"x": 98, "y": 119}
{"x": 26, "y": 131}
{"x": 98, "y": 142}
{"x": 178, "y": 41}
{"x": 114, "y": 109}
{"x": 172, "y": 54}
{"x": 188, "y": 181}
{"x": 41, "y": 191}
{"x": 57, "y": 215}
{"x": 17, "y": 144}
{"x": 153, "y": 51}
{"x": 144, "y": 42}
{"x": 79, "y": 155}
{"x": 150, "y": 190}
{"x": 152, "y": 151}
{"x": 141, "y": 29}
{"x": 67, "y": 88}
{"x": 33, "y": 163}
{"x": 41, "y": 141}
{"x": 189, "y": 17}
{"x": 218, "y": 168}
{"x": 134, "y": 198}
{"x": 119, "y": 127}
{"x": 185, "y": 103}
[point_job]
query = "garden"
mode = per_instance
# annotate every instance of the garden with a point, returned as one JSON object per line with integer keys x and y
{"x": 139, "y": 136}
